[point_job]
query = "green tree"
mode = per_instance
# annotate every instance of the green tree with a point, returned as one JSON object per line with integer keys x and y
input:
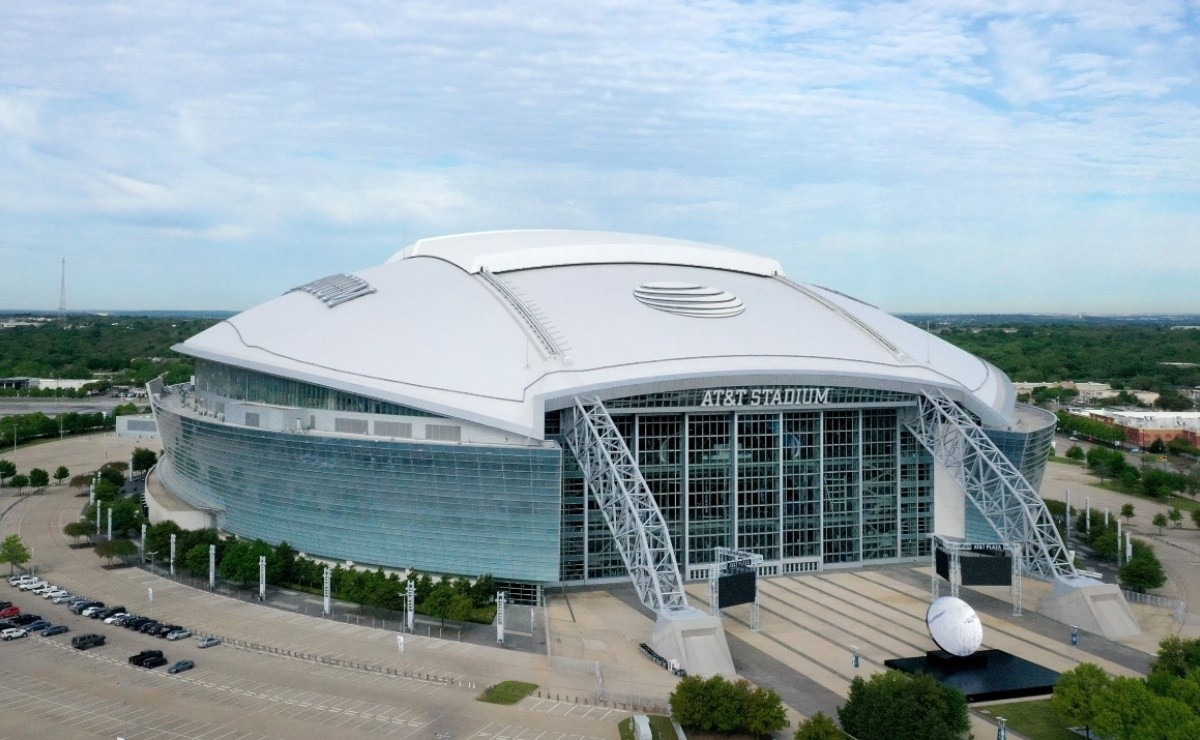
{"x": 820, "y": 726}
{"x": 240, "y": 562}
{"x": 1127, "y": 512}
{"x": 61, "y": 474}
{"x": 7, "y": 470}
{"x": 39, "y": 478}
{"x": 1157, "y": 447}
{"x": 127, "y": 516}
{"x": 75, "y": 530}
{"x": 894, "y": 704}
{"x": 1130, "y": 711}
{"x": 285, "y": 555}
{"x": 1176, "y": 657}
{"x": 1143, "y": 571}
{"x": 1160, "y": 521}
{"x": 1079, "y": 694}
{"x": 19, "y": 481}
{"x": 195, "y": 559}
{"x": 1176, "y": 517}
{"x": 143, "y": 459}
{"x": 764, "y": 712}
{"x": 14, "y": 552}
{"x": 158, "y": 539}
{"x": 1075, "y": 452}
{"x": 1196, "y": 517}
{"x": 437, "y": 603}
{"x": 460, "y": 608}
{"x": 115, "y": 548}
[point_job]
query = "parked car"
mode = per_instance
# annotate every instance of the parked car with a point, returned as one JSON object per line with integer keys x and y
{"x": 13, "y": 633}
{"x": 45, "y": 589}
{"x": 180, "y": 666}
{"x": 79, "y": 607}
{"x": 5, "y": 604}
{"x": 136, "y": 623}
{"x": 57, "y": 629}
{"x": 144, "y": 656}
{"x": 117, "y": 618}
{"x": 154, "y": 662}
{"x": 25, "y": 619}
{"x": 9, "y": 611}
{"x": 149, "y": 626}
{"x": 63, "y": 598}
{"x": 55, "y": 593}
{"x": 107, "y": 612}
{"x": 89, "y": 611}
{"x": 32, "y": 585}
{"x": 18, "y": 580}
{"x": 41, "y": 624}
{"x": 165, "y": 629}
{"x": 6, "y": 623}
{"x": 83, "y": 642}
{"x": 179, "y": 634}
{"x": 207, "y": 642}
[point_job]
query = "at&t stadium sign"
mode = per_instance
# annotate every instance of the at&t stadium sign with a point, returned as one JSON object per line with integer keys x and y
{"x": 766, "y": 397}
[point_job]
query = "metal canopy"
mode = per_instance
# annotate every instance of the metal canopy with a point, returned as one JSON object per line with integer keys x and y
{"x": 612, "y": 475}
{"x": 991, "y": 482}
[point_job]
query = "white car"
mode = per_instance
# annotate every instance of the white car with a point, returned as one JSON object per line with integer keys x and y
{"x": 179, "y": 634}
{"x": 45, "y": 589}
{"x": 115, "y": 617}
{"x": 12, "y": 633}
{"x": 32, "y": 585}
{"x": 54, "y": 594}
{"x": 64, "y": 597}
{"x": 91, "y": 610}
{"x": 22, "y": 580}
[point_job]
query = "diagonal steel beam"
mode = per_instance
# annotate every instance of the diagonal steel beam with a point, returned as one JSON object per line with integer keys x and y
{"x": 628, "y": 506}
{"x": 991, "y": 482}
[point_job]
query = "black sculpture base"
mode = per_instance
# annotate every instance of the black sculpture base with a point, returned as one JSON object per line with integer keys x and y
{"x": 987, "y": 675}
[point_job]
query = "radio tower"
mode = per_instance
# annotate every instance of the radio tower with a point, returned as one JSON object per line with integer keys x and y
{"x": 62, "y": 294}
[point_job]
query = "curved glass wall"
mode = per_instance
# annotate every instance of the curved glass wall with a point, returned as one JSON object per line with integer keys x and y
{"x": 241, "y": 384}
{"x": 458, "y": 509}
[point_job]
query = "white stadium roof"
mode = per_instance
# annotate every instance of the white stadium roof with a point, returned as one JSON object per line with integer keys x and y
{"x": 497, "y": 327}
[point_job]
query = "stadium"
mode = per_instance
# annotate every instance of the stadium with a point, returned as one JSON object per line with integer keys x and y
{"x": 559, "y": 407}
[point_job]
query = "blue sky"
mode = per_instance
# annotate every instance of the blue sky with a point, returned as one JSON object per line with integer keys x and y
{"x": 948, "y": 155}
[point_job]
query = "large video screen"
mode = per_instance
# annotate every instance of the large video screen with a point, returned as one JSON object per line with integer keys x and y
{"x": 736, "y": 588}
{"x": 986, "y": 570}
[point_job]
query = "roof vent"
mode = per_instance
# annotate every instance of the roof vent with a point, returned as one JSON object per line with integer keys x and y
{"x": 687, "y": 299}
{"x": 337, "y": 289}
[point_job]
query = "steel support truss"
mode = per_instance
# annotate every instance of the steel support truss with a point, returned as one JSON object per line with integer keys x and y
{"x": 611, "y": 474}
{"x": 991, "y": 482}
{"x": 725, "y": 558}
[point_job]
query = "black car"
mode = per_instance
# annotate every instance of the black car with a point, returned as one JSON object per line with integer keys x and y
{"x": 41, "y": 624}
{"x": 5, "y": 604}
{"x": 143, "y": 656}
{"x": 107, "y": 612}
{"x": 6, "y": 623}
{"x": 83, "y": 642}
{"x": 22, "y": 620}
{"x": 154, "y": 662}
{"x": 135, "y": 623}
{"x": 165, "y": 629}
{"x": 149, "y": 626}
{"x": 57, "y": 629}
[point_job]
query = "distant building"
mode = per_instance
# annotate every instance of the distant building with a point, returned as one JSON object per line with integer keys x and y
{"x": 1143, "y": 428}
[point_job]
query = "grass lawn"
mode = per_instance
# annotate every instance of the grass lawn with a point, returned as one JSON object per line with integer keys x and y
{"x": 660, "y": 727}
{"x": 1034, "y": 719}
{"x": 508, "y": 692}
{"x": 1182, "y": 503}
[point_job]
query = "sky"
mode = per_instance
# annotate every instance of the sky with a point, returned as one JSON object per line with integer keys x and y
{"x": 940, "y": 156}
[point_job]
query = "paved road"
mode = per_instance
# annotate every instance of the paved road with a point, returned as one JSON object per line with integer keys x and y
{"x": 10, "y": 406}
{"x": 290, "y": 676}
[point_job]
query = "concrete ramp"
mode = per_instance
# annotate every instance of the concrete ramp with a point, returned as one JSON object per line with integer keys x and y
{"x": 1091, "y": 605}
{"x": 696, "y": 640}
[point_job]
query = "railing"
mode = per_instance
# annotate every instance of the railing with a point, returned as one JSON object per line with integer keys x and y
{"x": 1159, "y": 602}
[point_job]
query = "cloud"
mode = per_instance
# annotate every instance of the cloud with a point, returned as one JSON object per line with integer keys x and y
{"x": 832, "y": 136}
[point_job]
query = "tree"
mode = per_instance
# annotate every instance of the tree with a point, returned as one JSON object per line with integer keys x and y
{"x": 19, "y": 481}
{"x": 195, "y": 559}
{"x": 158, "y": 539}
{"x": 1160, "y": 521}
{"x": 1143, "y": 571}
{"x": 1075, "y": 452}
{"x": 143, "y": 459}
{"x": 39, "y": 478}
{"x": 14, "y": 552}
{"x": 75, "y": 530}
{"x": 1196, "y": 517}
{"x": 820, "y": 726}
{"x": 1079, "y": 694}
{"x": 127, "y": 516}
{"x": 763, "y": 711}
{"x": 1127, "y": 512}
{"x": 1176, "y": 517}
{"x": 61, "y": 474}
{"x": 240, "y": 562}
{"x": 716, "y": 705}
{"x": 1157, "y": 447}
{"x": 894, "y": 704}
{"x": 115, "y": 548}
{"x": 7, "y": 470}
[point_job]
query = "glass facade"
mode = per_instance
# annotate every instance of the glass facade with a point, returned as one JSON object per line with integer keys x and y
{"x": 239, "y": 383}
{"x": 445, "y": 508}
{"x": 842, "y": 484}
